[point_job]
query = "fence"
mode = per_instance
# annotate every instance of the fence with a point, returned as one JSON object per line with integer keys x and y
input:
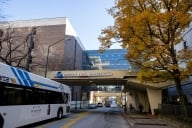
{"x": 176, "y": 110}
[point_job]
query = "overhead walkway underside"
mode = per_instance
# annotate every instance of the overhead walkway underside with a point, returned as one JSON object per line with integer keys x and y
{"x": 102, "y": 77}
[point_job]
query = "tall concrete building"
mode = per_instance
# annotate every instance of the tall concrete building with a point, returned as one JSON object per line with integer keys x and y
{"x": 55, "y": 40}
{"x": 56, "y": 45}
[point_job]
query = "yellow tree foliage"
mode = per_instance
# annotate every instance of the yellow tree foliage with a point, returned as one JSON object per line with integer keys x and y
{"x": 150, "y": 30}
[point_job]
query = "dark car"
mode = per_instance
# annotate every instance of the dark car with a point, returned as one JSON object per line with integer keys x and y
{"x": 99, "y": 105}
{"x": 107, "y": 105}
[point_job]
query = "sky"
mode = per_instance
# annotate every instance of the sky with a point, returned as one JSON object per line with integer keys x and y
{"x": 88, "y": 17}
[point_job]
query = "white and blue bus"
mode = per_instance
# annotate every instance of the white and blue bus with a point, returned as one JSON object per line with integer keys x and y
{"x": 26, "y": 98}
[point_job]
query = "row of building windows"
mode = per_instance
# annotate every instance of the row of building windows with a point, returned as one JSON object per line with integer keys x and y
{"x": 170, "y": 94}
{"x": 110, "y": 59}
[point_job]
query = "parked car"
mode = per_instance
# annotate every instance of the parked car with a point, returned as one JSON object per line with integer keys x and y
{"x": 113, "y": 105}
{"x": 107, "y": 104}
{"x": 99, "y": 105}
{"x": 92, "y": 106}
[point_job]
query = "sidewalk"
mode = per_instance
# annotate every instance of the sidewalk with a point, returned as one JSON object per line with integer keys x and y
{"x": 138, "y": 120}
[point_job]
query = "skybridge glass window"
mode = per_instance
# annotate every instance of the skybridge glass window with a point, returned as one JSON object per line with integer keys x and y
{"x": 113, "y": 59}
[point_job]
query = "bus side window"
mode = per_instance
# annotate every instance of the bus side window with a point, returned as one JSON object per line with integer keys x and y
{"x": 1, "y": 93}
{"x": 28, "y": 96}
{"x": 50, "y": 97}
{"x": 9, "y": 98}
{"x": 35, "y": 99}
{"x": 12, "y": 96}
{"x": 42, "y": 97}
{"x": 58, "y": 98}
{"x": 65, "y": 98}
{"x": 18, "y": 98}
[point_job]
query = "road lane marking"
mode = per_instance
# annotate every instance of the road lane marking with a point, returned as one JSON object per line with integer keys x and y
{"x": 74, "y": 120}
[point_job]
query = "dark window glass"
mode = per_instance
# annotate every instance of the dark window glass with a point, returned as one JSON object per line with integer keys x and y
{"x": 1, "y": 93}
{"x": 42, "y": 97}
{"x": 12, "y": 96}
{"x": 29, "y": 97}
{"x": 55, "y": 97}
{"x": 19, "y": 95}
{"x": 65, "y": 98}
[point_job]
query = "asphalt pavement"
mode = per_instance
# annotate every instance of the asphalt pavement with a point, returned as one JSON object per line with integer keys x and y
{"x": 144, "y": 120}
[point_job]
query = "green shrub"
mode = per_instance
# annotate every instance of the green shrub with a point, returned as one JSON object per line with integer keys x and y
{"x": 156, "y": 111}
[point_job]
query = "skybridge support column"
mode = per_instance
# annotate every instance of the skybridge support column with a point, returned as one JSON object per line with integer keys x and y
{"x": 155, "y": 98}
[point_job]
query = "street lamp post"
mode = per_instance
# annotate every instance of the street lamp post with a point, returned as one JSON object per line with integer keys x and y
{"x": 74, "y": 67}
{"x": 47, "y": 58}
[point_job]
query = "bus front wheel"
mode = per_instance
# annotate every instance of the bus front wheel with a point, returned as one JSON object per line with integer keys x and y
{"x": 59, "y": 114}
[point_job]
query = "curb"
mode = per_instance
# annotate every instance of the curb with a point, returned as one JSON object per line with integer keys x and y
{"x": 132, "y": 124}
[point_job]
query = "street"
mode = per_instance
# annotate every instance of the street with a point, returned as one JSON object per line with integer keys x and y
{"x": 92, "y": 118}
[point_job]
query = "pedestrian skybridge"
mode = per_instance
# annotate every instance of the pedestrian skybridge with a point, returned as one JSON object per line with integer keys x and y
{"x": 148, "y": 94}
{"x": 102, "y": 77}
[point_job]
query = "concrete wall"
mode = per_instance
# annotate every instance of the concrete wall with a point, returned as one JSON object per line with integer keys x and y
{"x": 144, "y": 101}
{"x": 130, "y": 99}
{"x": 46, "y": 36}
{"x": 155, "y": 98}
{"x": 73, "y": 54}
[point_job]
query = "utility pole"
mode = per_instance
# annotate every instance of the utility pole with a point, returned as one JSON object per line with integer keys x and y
{"x": 30, "y": 48}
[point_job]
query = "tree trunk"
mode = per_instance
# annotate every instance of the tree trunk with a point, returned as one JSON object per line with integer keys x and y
{"x": 182, "y": 97}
